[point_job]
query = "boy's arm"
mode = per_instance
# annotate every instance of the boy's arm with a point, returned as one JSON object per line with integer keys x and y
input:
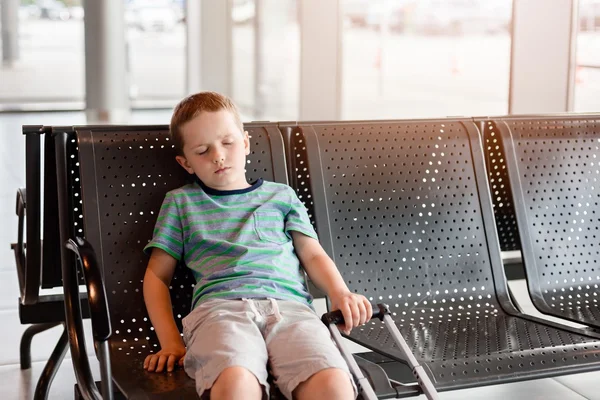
{"x": 324, "y": 274}
{"x": 158, "y": 303}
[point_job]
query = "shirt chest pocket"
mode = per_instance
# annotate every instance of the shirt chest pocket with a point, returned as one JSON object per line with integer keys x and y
{"x": 270, "y": 226}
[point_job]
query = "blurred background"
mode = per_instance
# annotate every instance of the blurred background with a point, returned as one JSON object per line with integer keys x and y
{"x": 394, "y": 58}
{"x": 74, "y": 62}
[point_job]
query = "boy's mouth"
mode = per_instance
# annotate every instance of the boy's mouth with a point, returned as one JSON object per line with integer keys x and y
{"x": 221, "y": 170}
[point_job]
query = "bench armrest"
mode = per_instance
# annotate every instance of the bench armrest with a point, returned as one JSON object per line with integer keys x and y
{"x": 95, "y": 287}
{"x": 19, "y": 247}
{"x": 100, "y": 316}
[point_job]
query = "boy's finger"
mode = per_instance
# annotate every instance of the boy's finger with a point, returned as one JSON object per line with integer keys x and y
{"x": 152, "y": 363}
{"x": 171, "y": 363}
{"x": 355, "y": 314}
{"x": 181, "y": 361}
{"x": 369, "y": 308}
{"x": 161, "y": 363}
{"x": 347, "y": 313}
{"x": 363, "y": 313}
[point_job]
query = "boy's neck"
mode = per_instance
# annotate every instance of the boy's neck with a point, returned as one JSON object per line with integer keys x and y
{"x": 238, "y": 190}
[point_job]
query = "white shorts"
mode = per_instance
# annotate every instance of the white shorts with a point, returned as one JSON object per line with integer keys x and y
{"x": 250, "y": 333}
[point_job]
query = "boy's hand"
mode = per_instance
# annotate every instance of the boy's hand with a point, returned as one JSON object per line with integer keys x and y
{"x": 169, "y": 356}
{"x": 355, "y": 308}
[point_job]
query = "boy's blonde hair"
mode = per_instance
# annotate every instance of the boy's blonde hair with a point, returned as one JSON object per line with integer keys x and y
{"x": 190, "y": 107}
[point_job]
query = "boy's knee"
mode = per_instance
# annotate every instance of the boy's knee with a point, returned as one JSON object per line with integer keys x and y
{"x": 331, "y": 383}
{"x": 236, "y": 380}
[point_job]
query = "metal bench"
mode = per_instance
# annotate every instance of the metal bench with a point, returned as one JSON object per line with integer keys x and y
{"x": 404, "y": 210}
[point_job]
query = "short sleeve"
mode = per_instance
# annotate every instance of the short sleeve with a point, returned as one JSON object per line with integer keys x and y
{"x": 297, "y": 218}
{"x": 168, "y": 232}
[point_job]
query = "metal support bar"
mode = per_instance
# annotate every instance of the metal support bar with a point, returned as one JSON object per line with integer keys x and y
{"x": 43, "y": 386}
{"x": 26, "y": 341}
{"x": 105, "y": 371}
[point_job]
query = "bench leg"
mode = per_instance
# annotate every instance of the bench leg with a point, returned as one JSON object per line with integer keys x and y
{"x": 47, "y": 376}
{"x": 26, "y": 341}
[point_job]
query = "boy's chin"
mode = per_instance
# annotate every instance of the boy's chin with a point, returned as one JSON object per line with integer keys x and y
{"x": 227, "y": 184}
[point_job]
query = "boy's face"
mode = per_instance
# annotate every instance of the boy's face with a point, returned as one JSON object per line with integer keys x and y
{"x": 215, "y": 149}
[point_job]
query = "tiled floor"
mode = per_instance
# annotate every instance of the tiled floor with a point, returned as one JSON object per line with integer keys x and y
{"x": 17, "y": 384}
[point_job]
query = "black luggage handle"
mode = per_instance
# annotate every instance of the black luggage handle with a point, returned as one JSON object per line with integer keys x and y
{"x": 381, "y": 312}
{"x": 336, "y": 317}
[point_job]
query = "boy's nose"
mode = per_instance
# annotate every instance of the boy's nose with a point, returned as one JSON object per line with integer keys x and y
{"x": 218, "y": 156}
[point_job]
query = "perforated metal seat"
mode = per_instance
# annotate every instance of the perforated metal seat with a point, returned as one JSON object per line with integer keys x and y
{"x": 404, "y": 210}
{"x": 553, "y": 166}
{"x": 125, "y": 174}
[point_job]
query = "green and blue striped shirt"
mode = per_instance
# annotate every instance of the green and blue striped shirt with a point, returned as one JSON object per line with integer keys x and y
{"x": 237, "y": 242}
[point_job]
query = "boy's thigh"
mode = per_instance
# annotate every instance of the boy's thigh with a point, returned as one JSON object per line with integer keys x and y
{"x": 221, "y": 334}
{"x": 299, "y": 346}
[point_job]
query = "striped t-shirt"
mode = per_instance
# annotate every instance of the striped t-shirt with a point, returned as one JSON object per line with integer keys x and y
{"x": 237, "y": 242}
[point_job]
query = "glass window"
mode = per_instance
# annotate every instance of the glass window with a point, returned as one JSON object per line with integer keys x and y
{"x": 266, "y": 58}
{"x": 425, "y": 58}
{"x": 50, "y": 69}
{"x": 50, "y": 62}
{"x": 156, "y": 43}
{"x": 587, "y": 69}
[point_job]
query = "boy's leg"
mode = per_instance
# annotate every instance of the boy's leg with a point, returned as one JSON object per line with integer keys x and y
{"x": 225, "y": 350}
{"x": 326, "y": 384}
{"x": 304, "y": 358}
{"x": 234, "y": 383}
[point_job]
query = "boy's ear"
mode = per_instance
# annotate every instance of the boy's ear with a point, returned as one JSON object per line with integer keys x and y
{"x": 246, "y": 142}
{"x": 181, "y": 160}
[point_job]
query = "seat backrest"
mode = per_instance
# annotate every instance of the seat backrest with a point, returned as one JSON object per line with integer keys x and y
{"x": 554, "y": 169}
{"x": 504, "y": 212}
{"x": 125, "y": 174}
{"x": 51, "y": 275}
{"x": 41, "y": 267}
{"x": 29, "y": 253}
{"x": 398, "y": 208}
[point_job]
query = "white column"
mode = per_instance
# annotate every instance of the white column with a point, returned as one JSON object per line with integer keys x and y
{"x": 9, "y": 23}
{"x": 542, "y": 53}
{"x": 320, "y": 59}
{"x": 209, "y": 51}
{"x": 193, "y": 34}
{"x": 260, "y": 59}
{"x": 106, "y": 77}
